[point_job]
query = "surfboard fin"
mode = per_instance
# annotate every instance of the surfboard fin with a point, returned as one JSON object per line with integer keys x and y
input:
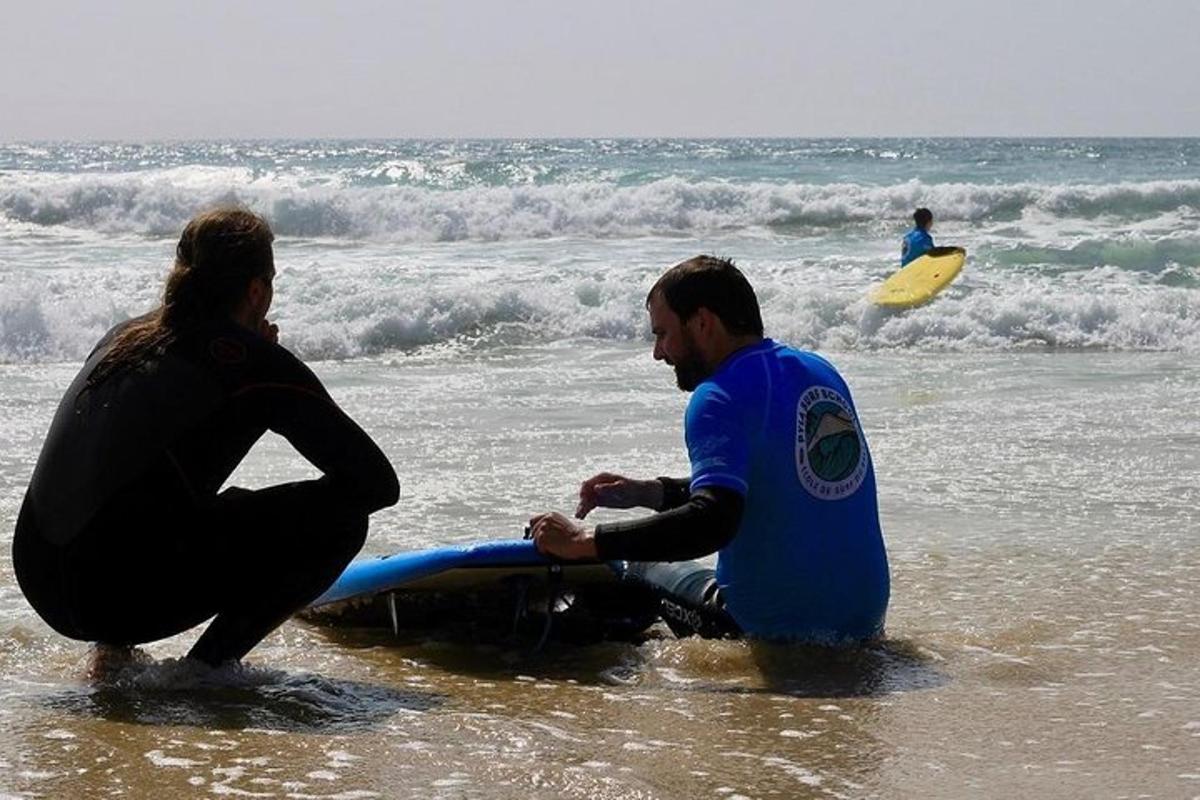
{"x": 553, "y": 584}
{"x": 392, "y": 612}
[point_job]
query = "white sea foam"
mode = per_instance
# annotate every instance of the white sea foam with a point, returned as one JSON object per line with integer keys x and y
{"x": 158, "y": 203}
{"x": 346, "y": 310}
{"x": 395, "y": 246}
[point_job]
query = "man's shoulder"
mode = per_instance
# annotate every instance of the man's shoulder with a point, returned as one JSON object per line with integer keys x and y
{"x": 743, "y": 368}
{"x": 798, "y": 369}
{"x": 751, "y": 374}
{"x": 787, "y": 355}
{"x": 240, "y": 356}
{"x": 755, "y": 365}
{"x": 116, "y": 330}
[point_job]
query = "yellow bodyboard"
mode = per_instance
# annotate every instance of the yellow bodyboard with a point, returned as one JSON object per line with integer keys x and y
{"x": 920, "y": 281}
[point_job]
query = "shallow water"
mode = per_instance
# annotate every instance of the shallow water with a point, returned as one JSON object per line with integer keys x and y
{"x": 1042, "y": 638}
{"x": 478, "y": 307}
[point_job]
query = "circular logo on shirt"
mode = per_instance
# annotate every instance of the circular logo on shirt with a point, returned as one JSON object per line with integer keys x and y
{"x": 831, "y": 457}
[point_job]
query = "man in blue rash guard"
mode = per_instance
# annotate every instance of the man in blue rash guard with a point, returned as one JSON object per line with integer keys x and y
{"x": 917, "y": 242}
{"x": 782, "y": 484}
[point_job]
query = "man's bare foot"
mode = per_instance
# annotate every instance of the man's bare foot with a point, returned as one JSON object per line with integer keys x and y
{"x": 107, "y": 660}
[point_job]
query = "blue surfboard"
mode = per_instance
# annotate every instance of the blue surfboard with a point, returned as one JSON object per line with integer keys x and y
{"x": 486, "y": 590}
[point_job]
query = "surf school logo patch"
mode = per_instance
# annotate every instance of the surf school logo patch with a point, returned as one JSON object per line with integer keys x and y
{"x": 831, "y": 458}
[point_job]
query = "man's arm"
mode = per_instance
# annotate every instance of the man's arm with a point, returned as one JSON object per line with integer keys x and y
{"x": 609, "y": 490}
{"x": 707, "y": 519}
{"x": 291, "y": 401}
{"x": 704, "y": 524}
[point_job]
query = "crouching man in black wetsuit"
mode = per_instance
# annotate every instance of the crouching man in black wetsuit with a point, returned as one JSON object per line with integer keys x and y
{"x": 782, "y": 486}
{"x": 124, "y": 538}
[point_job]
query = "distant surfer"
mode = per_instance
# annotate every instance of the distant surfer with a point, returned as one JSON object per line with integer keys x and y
{"x": 782, "y": 486}
{"x": 918, "y": 241}
{"x": 123, "y": 537}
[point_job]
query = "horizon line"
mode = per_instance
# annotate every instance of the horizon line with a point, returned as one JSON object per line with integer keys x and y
{"x": 587, "y": 137}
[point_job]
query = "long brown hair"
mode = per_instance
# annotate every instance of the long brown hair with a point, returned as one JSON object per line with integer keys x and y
{"x": 219, "y": 253}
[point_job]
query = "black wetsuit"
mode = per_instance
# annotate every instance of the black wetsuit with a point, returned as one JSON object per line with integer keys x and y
{"x": 690, "y": 525}
{"x": 123, "y": 537}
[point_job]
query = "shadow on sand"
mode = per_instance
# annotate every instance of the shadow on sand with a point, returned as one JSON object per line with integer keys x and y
{"x": 888, "y": 666}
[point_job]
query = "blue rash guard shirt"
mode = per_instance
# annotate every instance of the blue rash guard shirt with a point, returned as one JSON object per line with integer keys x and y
{"x": 778, "y": 426}
{"x": 917, "y": 243}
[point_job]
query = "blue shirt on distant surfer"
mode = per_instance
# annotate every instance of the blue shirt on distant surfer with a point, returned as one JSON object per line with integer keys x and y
{"x": 782, "y": 485}
{"x": 918, "y": 241}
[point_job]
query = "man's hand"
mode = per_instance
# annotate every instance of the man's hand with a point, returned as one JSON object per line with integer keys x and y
{"x": 607, "y": 490}
{"x": 269, "y": 331}
{"x": 559, "y": 536}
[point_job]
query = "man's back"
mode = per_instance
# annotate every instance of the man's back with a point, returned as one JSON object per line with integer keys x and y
{"x": 808, "y": 560}
{"x": 917, "y": 243}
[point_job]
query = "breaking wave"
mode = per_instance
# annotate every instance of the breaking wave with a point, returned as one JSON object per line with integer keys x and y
{"x": 159, "y": 204}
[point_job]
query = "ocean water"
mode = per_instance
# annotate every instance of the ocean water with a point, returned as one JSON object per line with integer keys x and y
{"x": 478, "y": 306}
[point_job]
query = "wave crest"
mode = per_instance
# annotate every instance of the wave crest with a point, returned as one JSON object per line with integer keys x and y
{"x": 343, "y": 319}
{"x": 160, "y": 203}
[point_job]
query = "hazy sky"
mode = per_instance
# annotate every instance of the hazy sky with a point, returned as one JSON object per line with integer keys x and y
{"x": 427, "y": 68}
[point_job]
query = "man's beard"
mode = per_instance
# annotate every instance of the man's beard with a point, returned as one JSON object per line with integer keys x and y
{"x": 690, "y": 370}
